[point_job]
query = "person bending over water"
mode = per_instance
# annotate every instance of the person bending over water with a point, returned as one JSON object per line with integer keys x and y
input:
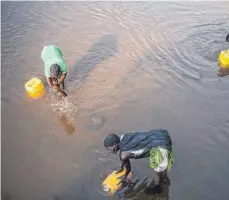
{"x": 155, "y": 144}
{"x": 55, "y": 68}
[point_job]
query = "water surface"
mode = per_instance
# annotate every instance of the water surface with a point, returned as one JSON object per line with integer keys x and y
{"x": 137, "y": 66}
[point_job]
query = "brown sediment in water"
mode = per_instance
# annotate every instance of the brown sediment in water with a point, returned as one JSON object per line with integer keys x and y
{"x": 68, "y": 127}
{"x": 140, "y": 65}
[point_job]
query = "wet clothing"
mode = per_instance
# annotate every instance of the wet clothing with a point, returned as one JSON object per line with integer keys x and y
{"x": 139, "y": 144}
{"x": 52, "y": 55}
{"x": 155, "y": 144}
{"x": 161, "y": 159}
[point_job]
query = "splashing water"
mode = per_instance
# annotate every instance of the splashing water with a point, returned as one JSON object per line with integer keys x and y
{"x": 64, "y": 107}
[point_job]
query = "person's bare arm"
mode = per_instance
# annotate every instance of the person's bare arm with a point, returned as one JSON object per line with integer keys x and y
{"x": 63, "y": 76}
{"x": 61, "y": 92}
{"x": 49, "y": 80}
{"x": 55, "y": 88}
{"x": 125, "y": 159}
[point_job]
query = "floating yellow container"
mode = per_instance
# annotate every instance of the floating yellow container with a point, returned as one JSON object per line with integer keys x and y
{"x": 224, "y": 59}
{"x": 35, "y": 88}
{"x": 112, "y": 183}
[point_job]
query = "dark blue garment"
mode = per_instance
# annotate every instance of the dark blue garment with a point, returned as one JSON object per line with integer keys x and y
{"x": 132, "y": 142}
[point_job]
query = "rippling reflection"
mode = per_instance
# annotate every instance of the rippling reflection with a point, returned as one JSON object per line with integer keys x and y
{"x": 69, "y": 127}
{"x": 140, "y": 187}
{"x": 136, "y": 65}
{"x": 223, "y": 72}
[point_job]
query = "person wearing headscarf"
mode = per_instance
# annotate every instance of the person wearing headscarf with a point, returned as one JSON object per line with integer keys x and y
{"x": 155, "y": 144}
{"x": 55, "y": 68}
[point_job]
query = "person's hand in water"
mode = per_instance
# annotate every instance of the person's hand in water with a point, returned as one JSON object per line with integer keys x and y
{"x": 120, "y": 170}
{"x": 57, "y": 89}
{"x": 55, "y": 82}
{"x": 123, "y": 179}
{"x": 61, "y": 92}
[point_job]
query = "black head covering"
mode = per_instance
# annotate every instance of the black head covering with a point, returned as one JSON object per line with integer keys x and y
{"x": 110, "y": 140}
{"x": 55, "y": 70}
{"x": 227, "y": 37}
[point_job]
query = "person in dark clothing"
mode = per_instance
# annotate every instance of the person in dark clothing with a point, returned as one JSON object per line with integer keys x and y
{"x": 155, "y": 144}
{"x": 227, "y": 37}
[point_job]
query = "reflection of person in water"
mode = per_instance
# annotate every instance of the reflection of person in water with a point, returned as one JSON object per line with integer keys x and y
{"x": 69, "y": 128}
{"x": 157, "y": 193}
{"x": 223, "y": 72}
{"x": 155, "y": 144}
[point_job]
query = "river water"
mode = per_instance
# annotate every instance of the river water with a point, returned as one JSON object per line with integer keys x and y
{"x": 132, "y": 67}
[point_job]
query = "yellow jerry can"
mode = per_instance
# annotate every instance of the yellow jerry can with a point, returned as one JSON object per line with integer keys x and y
{"x": 224, "y": 59}
{"x": 112, "y": 183}
{"x": 35, "y": 88}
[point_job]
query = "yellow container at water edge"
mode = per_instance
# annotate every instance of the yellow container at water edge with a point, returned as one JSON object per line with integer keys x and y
{"x": 224, "y": 59}
{"x": 35, "y": 88}
{"x": 112, "y": 183}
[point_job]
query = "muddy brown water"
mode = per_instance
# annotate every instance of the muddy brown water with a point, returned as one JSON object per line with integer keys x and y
{"x": 132, "y": 67}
